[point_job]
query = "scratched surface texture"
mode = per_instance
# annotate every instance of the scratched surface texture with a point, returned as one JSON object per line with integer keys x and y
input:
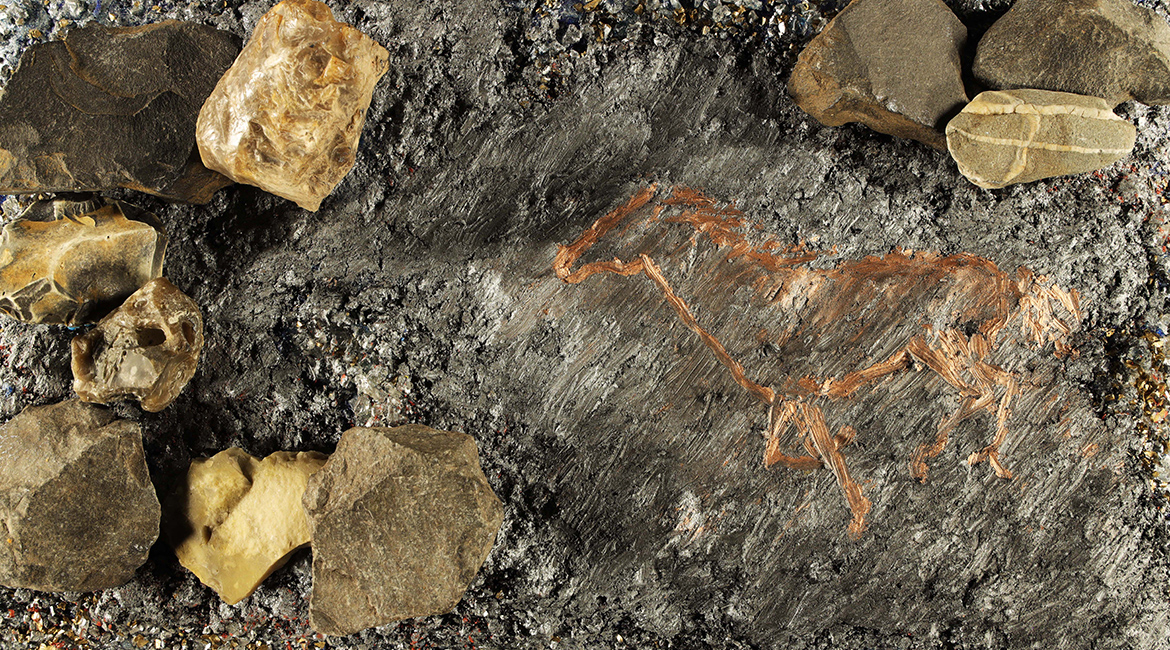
{"x": 740, "y": 380}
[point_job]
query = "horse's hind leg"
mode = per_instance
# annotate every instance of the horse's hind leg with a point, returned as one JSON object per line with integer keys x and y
{"x": 918, "y": 468}
{"x": 990, "y": 453}
{"x": 828, "y": 447}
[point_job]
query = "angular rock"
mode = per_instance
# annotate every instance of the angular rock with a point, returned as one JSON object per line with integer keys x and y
{"x": 77, "y": 507}
{"x": 1006, "y": 137}
{"x": 892, "y": 65}
{"x": 147, "y": 349}
{"x": 71, "y": 262}
{"x": 113, "y": 107}
{"x": 401, "y": 520}
{"x": 1111, "y": 49}
{"x": 236, "y": 518}
{"x": 288, "y": 114}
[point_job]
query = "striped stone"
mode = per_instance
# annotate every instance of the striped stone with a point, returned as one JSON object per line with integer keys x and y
{"x": 1006, "y": 137}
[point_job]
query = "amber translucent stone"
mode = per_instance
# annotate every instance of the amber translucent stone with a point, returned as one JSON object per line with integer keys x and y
{"x": 148, "y": 348}
{"x": 288, "y": 114}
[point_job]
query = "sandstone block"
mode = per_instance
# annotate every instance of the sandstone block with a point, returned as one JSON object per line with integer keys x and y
{"x": 401, "y": 519}
{"x": 71, "y": 262}
{"x": 236, "y": 518}
{"x": 288, "y": 114}
{"x": 1007, "y": 137}
{"x": 148, "y": 349}
{"x": 1111, "y": 49}
{"x": 892, "y": 65}
{"x": 77, "y": 507}
{"x": 113, "y": 107}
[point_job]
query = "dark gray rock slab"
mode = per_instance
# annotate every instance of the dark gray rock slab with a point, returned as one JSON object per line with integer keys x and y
{"x": 78, "y": 509}
{"x": 113, "y": 107}
{"x": 1112, "y": 49}
{"x": 401, "y": 520}
{"x": 893, "y": 65}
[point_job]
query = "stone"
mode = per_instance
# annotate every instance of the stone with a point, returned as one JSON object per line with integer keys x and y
{"x": 147, "y": 349}
{"x": 71, "y": 262}
{"x": 77, "y": 507}
{"x": 288, "y": 114}
{"x": 236, "y": 518}
{"x": 401, "y": 520}
{"x": 113, "y": 107}
{"x": 1111, "y": 49}
{"x": 892, "y": 65}
{"x": 1006, "y": 137}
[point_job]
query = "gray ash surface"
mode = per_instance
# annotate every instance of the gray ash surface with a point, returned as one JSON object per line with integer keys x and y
{"x": 637, "y": 512}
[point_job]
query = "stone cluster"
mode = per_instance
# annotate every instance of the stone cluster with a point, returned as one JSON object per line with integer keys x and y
{"x": 111, "y": 108}
{"x": 894, "y": 65}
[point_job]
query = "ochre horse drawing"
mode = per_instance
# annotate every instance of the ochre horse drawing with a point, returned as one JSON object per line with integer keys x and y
{"x": 947, "y": 313}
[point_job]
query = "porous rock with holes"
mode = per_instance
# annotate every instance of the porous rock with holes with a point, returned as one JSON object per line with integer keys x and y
{"x": 147, "y": 349}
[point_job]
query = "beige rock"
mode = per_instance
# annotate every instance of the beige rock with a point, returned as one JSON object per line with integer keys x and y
{"x": 236, "y": 519}
{"x": 71, "y": 262}
{"x": 1018, "y": 136}
{"x": 148, "y": 349}
{"x": 288, "y": 114}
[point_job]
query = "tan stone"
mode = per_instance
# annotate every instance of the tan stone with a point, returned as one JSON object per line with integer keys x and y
{"x": 402, "y": 519}
{"x": 236, "y": 519}
{"x": 1006, "y": 137}
{"x": 148, "y": 349}
{"x": 71, "y": 262}
{"x": 288, "y": 114}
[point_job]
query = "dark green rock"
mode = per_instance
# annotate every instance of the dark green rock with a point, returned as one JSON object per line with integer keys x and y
{"x": 77, "y": 507}
{"x": 1112, "y": 49}
{"x": 113, "y": 107}
{"x": 401, "y": 520}
{"x": 892, "y": 65}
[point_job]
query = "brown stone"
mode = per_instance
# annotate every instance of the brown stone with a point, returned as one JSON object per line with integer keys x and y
{"x": 236, "y": 518}
{"x": 148, "y": 349}
{"x": 401, "y": 521}
{"x": 71, "y": 262}
{"x": 1006, "y": 137}
{"x": 1113, "y": 49}
{"x": 892, "y": 65}
{"x": 113, "y": 107}
{"x": 288, "y": 114}
{"x": 77, "y": 507}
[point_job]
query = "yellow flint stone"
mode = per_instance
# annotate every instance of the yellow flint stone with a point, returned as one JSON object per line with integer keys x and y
{"x": 236, "y": 518}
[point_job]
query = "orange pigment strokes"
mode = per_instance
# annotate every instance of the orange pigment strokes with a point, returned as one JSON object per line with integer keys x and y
{"x": 977, "y": 293}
